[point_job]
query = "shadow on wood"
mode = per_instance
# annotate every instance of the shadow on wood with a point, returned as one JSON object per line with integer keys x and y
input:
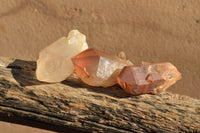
{"x": 114, "y": 91}
{"x": 24, "y": 72}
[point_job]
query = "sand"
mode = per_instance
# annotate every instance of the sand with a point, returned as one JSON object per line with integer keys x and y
{"x": 6, "y": 127}
{"x": 156, "y": 31}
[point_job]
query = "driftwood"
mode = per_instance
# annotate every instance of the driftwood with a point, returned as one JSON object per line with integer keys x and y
{"x": 76, "y": 106}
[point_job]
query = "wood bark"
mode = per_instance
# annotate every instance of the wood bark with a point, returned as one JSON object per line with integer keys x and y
{"x": 74, "y": 105}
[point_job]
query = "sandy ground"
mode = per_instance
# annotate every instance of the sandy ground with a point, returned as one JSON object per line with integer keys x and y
{"x": 6, "y": 127}
{"x": 152, "y": 31}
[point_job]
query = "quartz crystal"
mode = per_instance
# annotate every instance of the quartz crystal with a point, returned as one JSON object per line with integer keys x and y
{"x": 54, "y": 63}
{"x": 148, "y": 78}
{"x": 97, "y": 68}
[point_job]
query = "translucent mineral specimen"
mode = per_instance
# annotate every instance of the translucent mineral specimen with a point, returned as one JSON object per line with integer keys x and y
{"x": 54, "y": 63}
{"x": 148, "y": 78}
{"x": 97, "y": 68}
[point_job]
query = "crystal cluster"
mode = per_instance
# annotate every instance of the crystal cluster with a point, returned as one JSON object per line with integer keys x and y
{"x": 148, "y": 78}
{"x": 97, "y": 68}
{"x": 54, "y": 63}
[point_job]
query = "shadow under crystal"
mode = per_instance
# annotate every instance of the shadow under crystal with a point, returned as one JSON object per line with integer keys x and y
{"x": 24, "y": 72}
{"x": 114, "y": 91}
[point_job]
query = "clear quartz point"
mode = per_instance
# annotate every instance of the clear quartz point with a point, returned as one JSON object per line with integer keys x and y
{"x": 54, "y": 63}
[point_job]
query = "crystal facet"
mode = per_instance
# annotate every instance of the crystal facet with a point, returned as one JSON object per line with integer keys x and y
{"x": 54, "y": 63}
{"x": 148, "y": 78}
{"x": 97, "y": 68}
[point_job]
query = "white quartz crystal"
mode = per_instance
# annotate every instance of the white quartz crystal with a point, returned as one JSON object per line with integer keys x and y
{"x": 54, "y": 63}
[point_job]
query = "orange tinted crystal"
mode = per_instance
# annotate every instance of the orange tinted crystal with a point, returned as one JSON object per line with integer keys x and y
{"x": 97, "y": 68}
{"x": 148, "y": 78}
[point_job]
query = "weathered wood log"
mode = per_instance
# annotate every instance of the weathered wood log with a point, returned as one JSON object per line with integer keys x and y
{"x": 75, "y": 105}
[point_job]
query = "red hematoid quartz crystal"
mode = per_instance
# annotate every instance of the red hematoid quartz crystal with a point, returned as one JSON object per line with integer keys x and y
{"x": 148, "y": 78}
{"x": 97, "y": 68}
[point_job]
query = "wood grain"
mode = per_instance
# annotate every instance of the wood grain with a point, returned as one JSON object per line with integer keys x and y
{"x": 75, "y": 105}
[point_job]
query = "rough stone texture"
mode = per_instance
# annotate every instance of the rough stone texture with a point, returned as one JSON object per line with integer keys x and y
{"x": 148, "y": 78}
{"x": 72, "y": 104}
{"x": 156, "y": 31}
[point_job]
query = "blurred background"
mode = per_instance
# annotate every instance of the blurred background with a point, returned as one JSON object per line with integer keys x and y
{"x": 151, "y": 31}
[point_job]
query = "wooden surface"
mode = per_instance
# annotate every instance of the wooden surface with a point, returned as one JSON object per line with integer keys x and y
{"x": 79, "y": 107}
